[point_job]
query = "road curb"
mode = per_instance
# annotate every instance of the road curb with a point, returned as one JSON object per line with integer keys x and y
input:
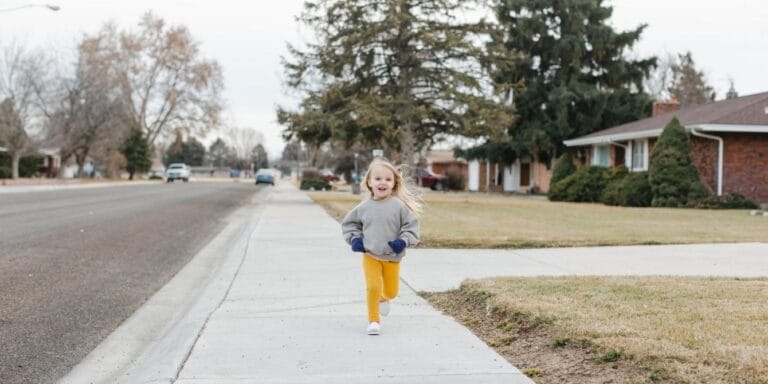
{"x": 152, "y": 345}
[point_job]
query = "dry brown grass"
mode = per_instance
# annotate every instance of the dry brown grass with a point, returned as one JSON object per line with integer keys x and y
{"x": 459, "y": 220}
{"x": 682, "y": 330}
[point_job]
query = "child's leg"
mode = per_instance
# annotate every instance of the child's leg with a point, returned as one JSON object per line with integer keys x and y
{"x": 373, "y": 284}
{"x": 391, "y": 276}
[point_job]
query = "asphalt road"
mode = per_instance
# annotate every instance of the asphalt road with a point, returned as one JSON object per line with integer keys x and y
{"x": 74, "y": 264}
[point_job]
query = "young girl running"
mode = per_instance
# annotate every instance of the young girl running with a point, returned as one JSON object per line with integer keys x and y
{"x": 381, "y": 227}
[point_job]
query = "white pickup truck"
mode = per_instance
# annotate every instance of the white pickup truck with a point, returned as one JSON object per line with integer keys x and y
{"x": 177, "y": 171}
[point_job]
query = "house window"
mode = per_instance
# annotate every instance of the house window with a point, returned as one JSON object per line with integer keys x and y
{"x": 639, "y": 155}
{"x": 601, "y": 156}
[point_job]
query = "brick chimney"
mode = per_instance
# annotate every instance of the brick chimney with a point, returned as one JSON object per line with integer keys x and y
{"x": 665, "y": 106}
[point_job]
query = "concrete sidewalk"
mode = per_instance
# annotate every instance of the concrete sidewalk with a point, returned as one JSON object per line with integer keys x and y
{"x": 444, "y": 269}
{"x": 278, "y": 297}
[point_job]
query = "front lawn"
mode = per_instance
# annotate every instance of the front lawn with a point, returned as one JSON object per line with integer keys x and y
{"x": 622, "y": 329}
{"x": 478, "y": 220}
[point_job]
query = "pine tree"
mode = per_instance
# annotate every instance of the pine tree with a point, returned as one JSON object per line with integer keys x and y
{"x": 673, "y": 176}
{"x": 395, "y": 74}
{"x": 135, "y": 148}
{"x": 566, "y": 71}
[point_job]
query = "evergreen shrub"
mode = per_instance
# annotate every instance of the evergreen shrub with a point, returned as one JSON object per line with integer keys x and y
{"x": 672, "y": 175}
{"x": 615, "y": 174}
{"x": 315, "y": 184}
{"x": 563, "y": 168}
{"x": 726, "y": 201}
{"x": 28, "y": 165}
{"x": 632, "y": 190}
{"x": 585, "y": 185}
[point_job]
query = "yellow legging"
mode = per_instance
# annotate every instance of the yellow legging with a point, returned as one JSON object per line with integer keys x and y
{"x": 382, "y": 280}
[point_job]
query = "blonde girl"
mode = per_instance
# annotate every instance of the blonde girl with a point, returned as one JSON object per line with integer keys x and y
{"x": 382, "y": 227}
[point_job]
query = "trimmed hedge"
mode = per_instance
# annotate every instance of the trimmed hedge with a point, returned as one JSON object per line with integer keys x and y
{"x": 726, "y": 201}
{"x": 632, "y": 190}
{"x": 585, "y": 185}
{"x": 28, "y": 165}
{"x": 315, "y": 184}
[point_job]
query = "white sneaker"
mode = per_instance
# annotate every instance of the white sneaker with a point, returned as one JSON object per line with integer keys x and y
{"x": 374, "y": 329}
{"x": 384, "y": 307}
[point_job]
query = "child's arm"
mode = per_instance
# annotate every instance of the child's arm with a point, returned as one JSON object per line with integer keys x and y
{"x": 409, "y": 231}
{"x": 351, "y": 226}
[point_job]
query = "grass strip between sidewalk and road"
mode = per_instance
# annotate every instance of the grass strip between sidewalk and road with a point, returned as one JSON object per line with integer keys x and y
{"x": 476, "y": 220}
{"x": 621, "y": 329}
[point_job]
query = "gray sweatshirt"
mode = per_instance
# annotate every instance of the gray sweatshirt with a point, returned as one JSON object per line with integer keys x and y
{"x": 378, "y": 222}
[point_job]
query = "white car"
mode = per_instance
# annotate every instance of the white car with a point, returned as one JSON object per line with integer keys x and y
{"x": 177, "y": 171}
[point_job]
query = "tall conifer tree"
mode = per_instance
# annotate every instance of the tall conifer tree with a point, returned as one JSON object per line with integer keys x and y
{"x": 391, "y": 73}
{"x": 573, "y": 77}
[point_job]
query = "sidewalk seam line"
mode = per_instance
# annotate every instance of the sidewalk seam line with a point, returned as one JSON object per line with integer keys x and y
{"x": 221, "y": 302}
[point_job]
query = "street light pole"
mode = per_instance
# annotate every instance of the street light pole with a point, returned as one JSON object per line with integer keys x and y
{"x": 52, "y": 7}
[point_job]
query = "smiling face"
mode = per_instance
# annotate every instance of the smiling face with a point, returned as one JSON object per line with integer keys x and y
{"x": 381, "y": 181}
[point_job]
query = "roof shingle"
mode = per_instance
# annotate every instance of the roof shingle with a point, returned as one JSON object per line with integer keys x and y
{"x": 746, "y": 110}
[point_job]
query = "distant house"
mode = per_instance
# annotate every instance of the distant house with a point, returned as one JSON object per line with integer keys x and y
{"x": 51, "y": 162}
{"x": 729, "y": 143}
{"x": 523, "y": 176}
{"x": 440, "y": 161}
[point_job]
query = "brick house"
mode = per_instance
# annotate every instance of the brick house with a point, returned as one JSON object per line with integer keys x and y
{"x": 729, "y": 143}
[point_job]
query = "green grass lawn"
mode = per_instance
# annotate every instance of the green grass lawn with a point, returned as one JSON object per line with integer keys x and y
{"x": 476, "y": 220}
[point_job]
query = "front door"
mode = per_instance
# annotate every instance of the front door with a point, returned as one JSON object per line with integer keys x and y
{"x": 525, "y": 174}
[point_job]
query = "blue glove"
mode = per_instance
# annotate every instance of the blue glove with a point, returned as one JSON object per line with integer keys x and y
{"x": 357, "y": 245}
{"x": 397, "y": 245}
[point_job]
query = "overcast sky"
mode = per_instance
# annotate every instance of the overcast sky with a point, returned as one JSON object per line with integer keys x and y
{"x": 728, "y": 40}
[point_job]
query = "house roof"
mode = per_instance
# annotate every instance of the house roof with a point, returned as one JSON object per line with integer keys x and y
{"x": 439, "y": 156}
{"x": 741, "y": 114}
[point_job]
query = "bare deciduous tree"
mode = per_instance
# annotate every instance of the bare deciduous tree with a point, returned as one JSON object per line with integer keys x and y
{"x": 19, "y": 70}
{"x": 88, "y": 116}
{"x": 659, "y": 80}
{"x": 243, "y": 140}
{"x": 165, "y": 83}
{"x": 676, "y": 76}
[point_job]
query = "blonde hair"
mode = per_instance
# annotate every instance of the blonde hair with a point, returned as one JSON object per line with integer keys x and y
{"x": 402, "y": 190}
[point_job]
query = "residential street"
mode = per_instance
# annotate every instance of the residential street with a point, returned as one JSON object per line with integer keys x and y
{"x": 74, "y": 264}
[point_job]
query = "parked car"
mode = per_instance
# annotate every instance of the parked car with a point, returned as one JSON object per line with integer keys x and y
{"x": 177, "y": 171}
{"x": 265, "y": 176}
{"x": 430, "y": 180}
{"x": 326, "y": 174}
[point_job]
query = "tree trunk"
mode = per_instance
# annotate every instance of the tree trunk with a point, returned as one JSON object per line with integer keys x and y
{"x": 405, "y": 83}
{"x": 80, "y": 159}
{"x": 15, "y": 157}
{"x": 408, "y": 145}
